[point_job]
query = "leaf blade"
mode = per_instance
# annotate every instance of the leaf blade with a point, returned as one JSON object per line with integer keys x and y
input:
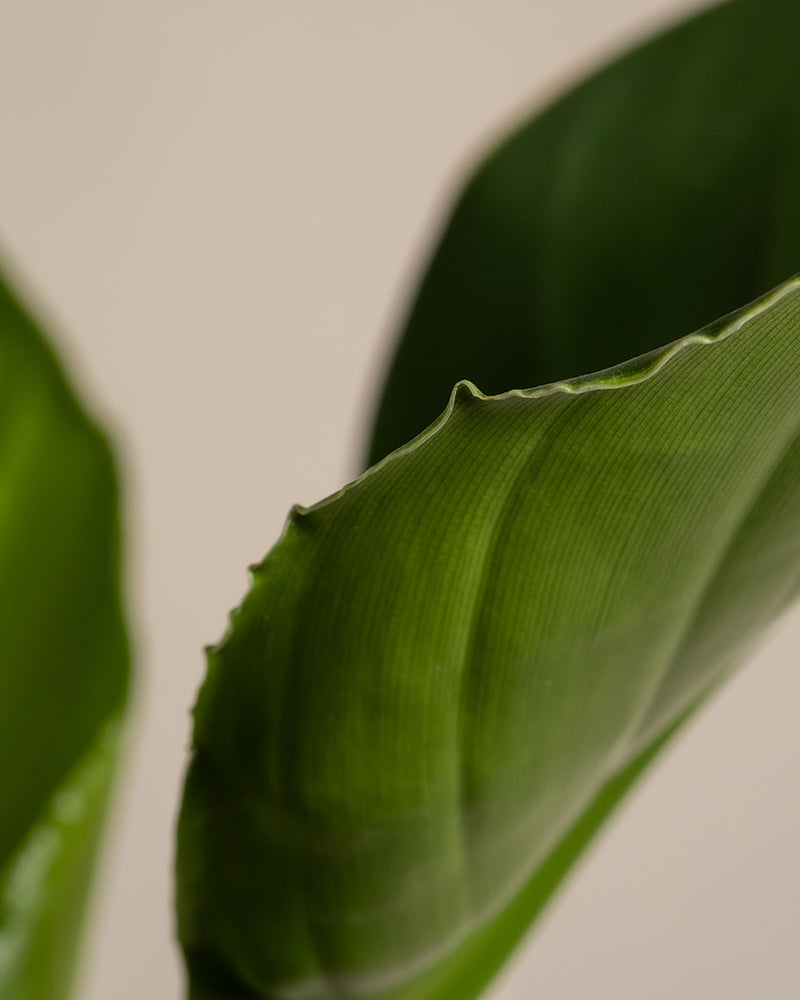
{"x": 376, "y": 736}
{"x": 438, "y": 671}
{"x": 64, "y": 672}
{"x": 45, "y": 884}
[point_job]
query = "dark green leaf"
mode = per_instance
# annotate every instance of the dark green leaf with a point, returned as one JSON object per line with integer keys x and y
{"x": 657, "y": 196}
{"x": 64, "y": 670}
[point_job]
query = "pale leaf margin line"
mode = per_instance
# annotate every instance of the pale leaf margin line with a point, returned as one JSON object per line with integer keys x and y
{"x": 628, "y": 373}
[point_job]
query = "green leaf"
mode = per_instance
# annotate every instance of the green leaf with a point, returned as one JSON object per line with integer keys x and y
{"x": 445, "y": 676}
{"x": 43, "y": 887}
{"x": 63, "y": 675}
{"x": 437, "y": 671}
{"x": 652, "y": 199}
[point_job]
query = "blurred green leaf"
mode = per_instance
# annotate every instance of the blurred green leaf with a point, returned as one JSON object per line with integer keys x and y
{"x": 444, "y": 677}
{"x": 64, "y": 670}
{"x": 660, "y": 194}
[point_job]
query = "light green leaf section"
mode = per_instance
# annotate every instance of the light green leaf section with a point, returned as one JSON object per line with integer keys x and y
{"x": 444, "y": 676}
{"x": 44, "y": 885}
{"x": 64, "y": 666}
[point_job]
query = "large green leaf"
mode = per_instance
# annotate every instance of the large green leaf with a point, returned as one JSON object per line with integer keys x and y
{"x": 444, "y": 677}
{"x": 63, "y": 674}
{"x": 439, "y": 672}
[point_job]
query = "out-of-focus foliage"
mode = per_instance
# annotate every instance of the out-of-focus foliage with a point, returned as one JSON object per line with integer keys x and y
{"x": 64, "y": 665}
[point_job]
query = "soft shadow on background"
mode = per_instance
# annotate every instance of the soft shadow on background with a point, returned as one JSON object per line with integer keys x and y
{"x": 222, "y": 208}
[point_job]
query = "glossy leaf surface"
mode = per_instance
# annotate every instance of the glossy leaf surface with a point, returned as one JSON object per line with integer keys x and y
{"x": 64, "y": 669}
{"x": 445, "y": 676}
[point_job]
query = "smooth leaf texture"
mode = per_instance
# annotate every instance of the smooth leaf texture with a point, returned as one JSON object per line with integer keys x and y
{"x": 444, "y": 677}
{"x": 63, "y": 675}
{"x": 438, "y": 671}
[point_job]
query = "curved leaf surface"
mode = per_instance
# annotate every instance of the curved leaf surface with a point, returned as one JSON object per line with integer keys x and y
{"x": 63, "y": 674}
{"x": 444, "y": 677}
{"x": 439, "y": 672}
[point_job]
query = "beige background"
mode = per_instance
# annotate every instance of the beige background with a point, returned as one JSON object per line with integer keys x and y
{"x": 222, "y": 205}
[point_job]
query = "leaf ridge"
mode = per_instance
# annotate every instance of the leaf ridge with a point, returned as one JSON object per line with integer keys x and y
{"x": 641, "y": 731}
{"x": 471, "y": 659}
